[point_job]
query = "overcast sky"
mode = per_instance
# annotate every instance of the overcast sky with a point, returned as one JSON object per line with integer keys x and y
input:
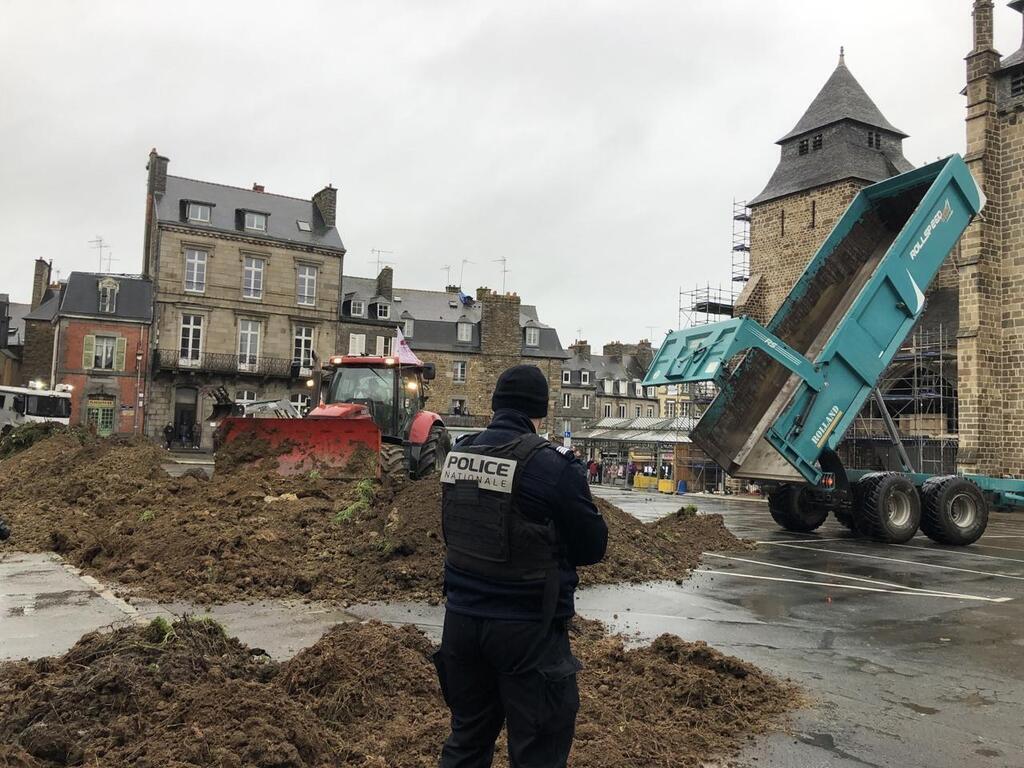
{"x": 596, "y": 145}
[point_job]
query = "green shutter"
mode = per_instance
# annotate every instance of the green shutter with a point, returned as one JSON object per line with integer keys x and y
{"x": 88, "y": 351}
{"x": 119, "y": 354}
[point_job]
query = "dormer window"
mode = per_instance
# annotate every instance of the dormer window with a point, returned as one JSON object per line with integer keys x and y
{"x": 805, "y": 146}
{"x": 199, "y": 212}
{"x": 357, "y": 308}
{"x": 256, "y": 221}
{"x": 409, "y": 327}
{"x": 465, "y": 332}
{"x": 383, "y": 311}
{"x": 816, "y": 142}
{"x": 533, "y": 337}
{"x": 584, "y": 377}
{"x": 108, "y": 296}
{"x": 874, "y": 140}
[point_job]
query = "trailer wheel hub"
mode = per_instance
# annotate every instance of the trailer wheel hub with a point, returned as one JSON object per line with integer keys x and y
{"x": 898, "y": 508}
{"x": 963, "y": 510}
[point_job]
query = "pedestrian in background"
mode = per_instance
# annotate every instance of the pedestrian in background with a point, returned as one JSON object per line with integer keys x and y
{"x": 169, "y": 435}
{"x": 197, "y": 434}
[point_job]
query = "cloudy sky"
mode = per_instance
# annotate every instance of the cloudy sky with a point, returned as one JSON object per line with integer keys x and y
{"x": 597, "y": 146}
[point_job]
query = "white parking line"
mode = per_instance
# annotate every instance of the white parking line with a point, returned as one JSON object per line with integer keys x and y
{"x": 854, "y": 586}
{"x": 1004, "y": 536}
{"x": 876, "y": 582}
{"x": 960, "y": 551}
{"x": 1015, "y": 577}
{"x": 803, "y": 541}
{"x": 993, "y": 546}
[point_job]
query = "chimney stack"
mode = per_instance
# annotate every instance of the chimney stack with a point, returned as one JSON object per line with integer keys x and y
{"x": 5, "y": 320}
{"x": 452, "y": 289}
{"x": 581, "y": 348}
{"x": 384, "y": 283}
{"x": 257, "y": 187}
{"x": 157, "y": 167}
{"x": 983, "y": 26}
{"x": 40, "y": 282}
{"x": 326, "y": 202}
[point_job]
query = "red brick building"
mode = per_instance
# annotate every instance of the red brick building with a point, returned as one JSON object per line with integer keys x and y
{"x": 102, "y": 349}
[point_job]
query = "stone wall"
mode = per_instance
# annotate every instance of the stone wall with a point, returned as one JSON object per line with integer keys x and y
{"x": 37, "y": 356}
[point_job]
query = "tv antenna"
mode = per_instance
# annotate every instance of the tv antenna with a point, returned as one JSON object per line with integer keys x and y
{"x": 462, "y": 271}
{"x": 504, "y": 270}
{"x": 100, "y": 246}
{"x": 447, "y": 269}
{"x": 579, "y": 334}
{"x": 377, "y": 253}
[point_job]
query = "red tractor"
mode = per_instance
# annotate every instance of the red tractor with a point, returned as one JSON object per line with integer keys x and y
{"x": 369, "y": 418}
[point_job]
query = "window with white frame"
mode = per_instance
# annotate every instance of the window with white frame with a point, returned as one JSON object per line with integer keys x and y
{"x": 586, "y": 403}
{"x": 195, "y": 270}
{"x": 248, "y": 344}
{"x": 305, "y": 289}
{"x": 650, "y": 411}
{"x": 623, "y": 387}
{"x": 567, "y": 377}
{"x": 191, "y": 339}
{"x": 300, "y": 401}
{"x": 357, "y": 343}
{"x": 385, "y": 346}
{"x": 607, "y": 410}
{"x": 108, "y": 295}
{"x": 357, "y": 308}
{"x": 638, "y": 389}
{"x": 103, "y": 352}
{"x": 622, "y": 411}
{"x": 650, "y": 391}
{"x": 684, "y": 409}
{"x": 409, "y": 326}
{"x": 252, "y": 277}
{"x": 566, "y": 400}
{"x": 465, "y": 331}
{"x": 256, "y": 221}
{"x": 636, "y": 411}
{"x": 608, "y": 386}
{"x": 686, "y": 389}
{"x": 383, "y": 311}
{"x": 459, "y": 371}
{"x": 199, "y": 212}
{"x": 458, "y": 406}
{"x": 533, "y": 337}
{"x": 670, "y": 409}
{"x": 302, "y": 348}
{"x": 245, "y": 396}
{"x": 584, "y": 377}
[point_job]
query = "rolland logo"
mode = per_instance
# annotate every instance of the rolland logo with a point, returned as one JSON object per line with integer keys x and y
{"x": 940, "y": 216}
{"x": 826, "y": 426}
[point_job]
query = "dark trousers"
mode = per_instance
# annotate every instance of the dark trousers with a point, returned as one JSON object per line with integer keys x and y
{"x": 494, "y": 672}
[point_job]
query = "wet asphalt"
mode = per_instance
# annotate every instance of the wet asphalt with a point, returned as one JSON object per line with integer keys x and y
{"x": 910, "y": 655}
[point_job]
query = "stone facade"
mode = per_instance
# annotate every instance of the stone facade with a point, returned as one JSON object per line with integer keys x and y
{"x": 991, "y": 262}
{"x": 37, "y": 356}
{"x": 228, "y": 328}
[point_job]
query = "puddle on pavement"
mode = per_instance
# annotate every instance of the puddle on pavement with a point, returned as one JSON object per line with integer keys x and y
{"x": 921, "y": 709}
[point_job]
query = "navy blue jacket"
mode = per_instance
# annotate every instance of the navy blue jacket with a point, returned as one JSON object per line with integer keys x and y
{"x": 553, "y": 487}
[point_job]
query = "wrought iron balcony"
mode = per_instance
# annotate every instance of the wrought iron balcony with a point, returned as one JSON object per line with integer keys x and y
{"x": 225, "y": 364}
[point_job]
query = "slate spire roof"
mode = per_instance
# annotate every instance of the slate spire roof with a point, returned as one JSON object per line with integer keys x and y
{"x": 841, "y": 98}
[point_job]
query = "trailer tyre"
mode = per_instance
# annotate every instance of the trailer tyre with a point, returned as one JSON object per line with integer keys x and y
{"x": 392, "y": 462}
{"x": 887, "y": 507}
{"x": 953, "y": 511}
{"x": 433, "y": 452}
{"x": 792, "y": 507}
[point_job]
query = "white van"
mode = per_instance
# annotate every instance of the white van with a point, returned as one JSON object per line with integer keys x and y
{"x": 21, "y": 405}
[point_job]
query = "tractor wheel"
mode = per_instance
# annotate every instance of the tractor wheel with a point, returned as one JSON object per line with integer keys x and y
{"x": 392, "y": 462}
{"x": 953, "y": 510}
{"x": 887, "y": 507}
{"x": 792, "y": 507}
{"x": 433, "y": 452}
{"x": 844, "y": 517}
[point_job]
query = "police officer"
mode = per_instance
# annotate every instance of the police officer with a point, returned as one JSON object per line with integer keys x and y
{"x": 518, "y": 519}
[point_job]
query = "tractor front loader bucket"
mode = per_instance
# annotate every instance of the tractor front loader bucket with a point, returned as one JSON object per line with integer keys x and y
{"x": 347, "y": 449}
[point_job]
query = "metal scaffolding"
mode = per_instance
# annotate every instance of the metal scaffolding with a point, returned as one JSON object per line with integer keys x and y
{"x": 919, "y": 392}
{"x": 740, "y": 242}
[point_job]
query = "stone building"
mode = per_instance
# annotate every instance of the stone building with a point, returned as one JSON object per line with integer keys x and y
{"x": 470, "y": 340}
{"x": 12, "y": 339}
{"x": 841, "y": 144}
{"x": 990, "y": 261}
{"x": 246, "y": 286}
{"x": 37, "y": 353}
{"x": 605, "y": 386}
{"x": 102, "y": 349}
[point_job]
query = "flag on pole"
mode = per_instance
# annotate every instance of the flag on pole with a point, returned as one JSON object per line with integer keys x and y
{"x": 405, "y": 354}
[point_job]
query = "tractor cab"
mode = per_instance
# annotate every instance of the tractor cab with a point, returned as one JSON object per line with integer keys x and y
{"x": 391, "y": 393}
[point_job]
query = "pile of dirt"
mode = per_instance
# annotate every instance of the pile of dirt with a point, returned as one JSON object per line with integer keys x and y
{"x": 109, "y": 508}
{"x": 363, "y": 695}
{"x": 26, "y": 435}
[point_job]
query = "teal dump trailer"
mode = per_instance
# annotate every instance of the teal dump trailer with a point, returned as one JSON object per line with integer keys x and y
{"x": 789, "y": 391}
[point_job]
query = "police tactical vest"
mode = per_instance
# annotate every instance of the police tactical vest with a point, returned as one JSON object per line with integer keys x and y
{"x": 484, "y": 530}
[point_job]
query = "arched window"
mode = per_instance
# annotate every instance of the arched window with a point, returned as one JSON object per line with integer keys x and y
{"x": 108, "y": 295}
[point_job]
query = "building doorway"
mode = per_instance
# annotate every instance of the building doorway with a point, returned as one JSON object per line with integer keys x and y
{"x": 99, "y": 414}
{"x": 185, "y": 402}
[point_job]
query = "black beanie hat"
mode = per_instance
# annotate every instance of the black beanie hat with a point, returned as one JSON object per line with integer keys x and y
{"x": 522, "y": 388}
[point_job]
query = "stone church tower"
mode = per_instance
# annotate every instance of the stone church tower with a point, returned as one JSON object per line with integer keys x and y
{"x": 841, "y": 144}
{"x": 990, "y": 263}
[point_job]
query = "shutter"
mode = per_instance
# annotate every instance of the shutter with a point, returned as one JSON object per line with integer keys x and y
{"x": 183, "y": 210}
{"x": 380, "y": 346}
{"x": 119, "y": 351}
{"x": 88, "y": 351}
